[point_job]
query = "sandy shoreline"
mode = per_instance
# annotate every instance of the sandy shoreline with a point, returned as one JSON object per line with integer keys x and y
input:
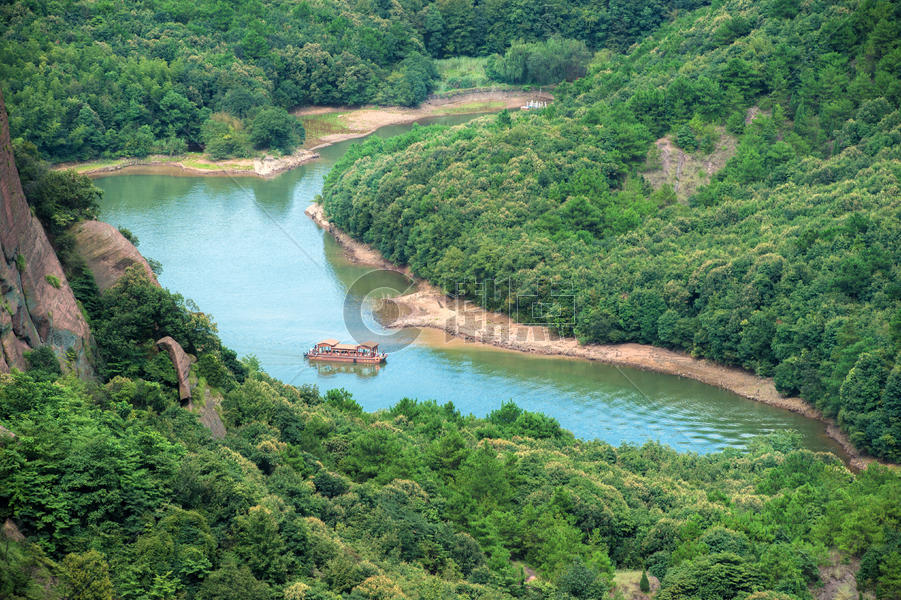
{"x": 429, "y": 307}
{"x": 265, "y": 167}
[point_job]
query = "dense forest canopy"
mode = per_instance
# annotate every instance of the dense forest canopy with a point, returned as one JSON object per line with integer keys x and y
{"x": 785, "y": 263}
{"x": 84, "y": 78}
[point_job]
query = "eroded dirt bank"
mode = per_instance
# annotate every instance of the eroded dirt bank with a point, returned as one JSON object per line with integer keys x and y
{"x": 430, "y": 307}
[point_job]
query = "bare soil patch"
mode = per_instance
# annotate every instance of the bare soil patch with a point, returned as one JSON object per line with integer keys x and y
{"x": 686, "y": 172}
{"x": 838, "y": 580}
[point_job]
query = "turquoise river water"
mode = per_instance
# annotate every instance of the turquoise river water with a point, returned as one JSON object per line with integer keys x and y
{"x": 245, "y": 252}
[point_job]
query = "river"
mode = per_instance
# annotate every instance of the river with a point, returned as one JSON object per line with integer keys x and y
{"x": 244, "y": 251}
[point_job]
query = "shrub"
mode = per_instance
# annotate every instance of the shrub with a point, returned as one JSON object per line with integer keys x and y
{"x": 224, "y": 136}
{"x": 128, "y": 235}
{"x": 43, "y": 360}
{"x": 685, "y": 138}
{"x": 582, "y": 582}
{"x": 276, "y": 129}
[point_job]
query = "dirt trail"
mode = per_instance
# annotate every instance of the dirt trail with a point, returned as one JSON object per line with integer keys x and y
{"x": 430, "y": 307}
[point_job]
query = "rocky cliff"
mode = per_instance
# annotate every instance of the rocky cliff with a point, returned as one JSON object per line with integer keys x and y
{"x": 38, "y": 307}
{"x": 107, "y": 253}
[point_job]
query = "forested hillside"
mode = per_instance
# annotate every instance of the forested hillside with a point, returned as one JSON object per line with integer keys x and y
{"x": 786, "y": 263}
{"x": 84, "y": 78}
{"x": 122, "y": 494}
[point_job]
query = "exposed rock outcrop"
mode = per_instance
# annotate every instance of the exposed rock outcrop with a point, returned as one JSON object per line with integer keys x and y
{"x": 209, "y": 413}
{"x": 205, "y": 402}
{"x": 107, "y": 253}
{"x": 181, "y": 360}
{"x": 38, "y": 306}
{"x": 11, "y": 531}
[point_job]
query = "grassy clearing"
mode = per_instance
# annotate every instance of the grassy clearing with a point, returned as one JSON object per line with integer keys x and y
{"x": 319, "y": 126}
{"x": 463, "y": 73}
{"x": 626, "y": 585}
{"x": 471, "y": 107}
{"x": 191, "y": 160}
{"x": 99, "y": 164}
{"x": 198, "y": 162}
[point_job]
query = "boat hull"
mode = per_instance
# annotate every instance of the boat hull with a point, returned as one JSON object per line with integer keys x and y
{"x": 360, "y": 360}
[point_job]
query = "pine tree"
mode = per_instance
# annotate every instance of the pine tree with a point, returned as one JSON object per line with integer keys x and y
{"x": 644, "y": 585}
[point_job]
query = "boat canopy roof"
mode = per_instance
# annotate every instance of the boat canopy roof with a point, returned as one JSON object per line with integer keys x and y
{"x": 345, "y": 346}
{"x": 336, "y": 345}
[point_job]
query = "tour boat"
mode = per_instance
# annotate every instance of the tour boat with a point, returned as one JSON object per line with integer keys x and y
{"x": 366, "y": 353}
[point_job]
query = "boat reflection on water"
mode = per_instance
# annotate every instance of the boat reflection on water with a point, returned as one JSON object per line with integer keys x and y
{"x": 327, "y": 369}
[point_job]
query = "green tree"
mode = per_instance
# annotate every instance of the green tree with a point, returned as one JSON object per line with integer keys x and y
{"x": 87, "y": 576}
{"x": 276, "y": 129}
{"x": 233, "y": 582}
{"x": 260, "y": 545}
{"x": 180, "y": 116}
{"x": 43, "y": 361}
{"x": 685, "y": 138}
{"x": 59, "y": 198}
{"x": 138, "y": 141}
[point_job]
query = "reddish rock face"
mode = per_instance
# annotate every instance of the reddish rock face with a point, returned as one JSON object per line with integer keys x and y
{"x": 34, "y": 311}
{"x": 107, "y": 253}
{"x": 181, "y": 360}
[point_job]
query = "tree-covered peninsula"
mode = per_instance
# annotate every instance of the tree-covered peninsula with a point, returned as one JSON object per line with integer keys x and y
{"x": 728, "y": 187}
